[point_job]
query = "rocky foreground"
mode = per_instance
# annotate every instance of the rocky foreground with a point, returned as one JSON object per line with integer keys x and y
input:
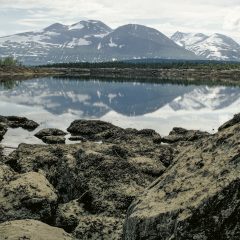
{"x": 121, "y": 184}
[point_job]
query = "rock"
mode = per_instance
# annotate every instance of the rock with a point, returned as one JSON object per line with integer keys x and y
{"x": 197, "y": 197}
{"x": 77, "y": 138}
{"x": 1, "y": 153}
{"x": 69, "y": 214}
{"x": 28, "y": 195}
{"x": 232, "y": 122}
{"x": 99, "y": 227}
{"x": 50, "y": 132}
{"x": 6, "y": 174}
{"x": 181, "y": 134}
{"x": 95, "y": 181}
{"x": 95, "y": 130}
{"x": 3, "y": 130}
{"x": 31, "y": 230}
{"x": 54, "y": 139}
{"x": 92, "y": 129}
{"x": 186, "y": 190}
{"x": 51, "y": 136}
{"x": 15, "y": 122}
{"x": 73, "y": 217}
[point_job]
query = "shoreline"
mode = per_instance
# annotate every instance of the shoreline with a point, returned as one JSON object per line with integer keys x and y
{"x": 120, "y": 182}
{"x": 175, "y": 75}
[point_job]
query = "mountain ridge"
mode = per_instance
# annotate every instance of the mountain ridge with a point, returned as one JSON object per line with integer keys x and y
{"x": 214, "y": 47}
{"x": 91, "y": 41}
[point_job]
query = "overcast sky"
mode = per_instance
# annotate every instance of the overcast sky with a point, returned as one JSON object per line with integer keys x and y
{"x": 168, "y": 16}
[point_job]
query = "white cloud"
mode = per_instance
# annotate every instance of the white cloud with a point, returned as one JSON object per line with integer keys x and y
{"x": 206, "y": 16}
{"x": 232, "y": 20}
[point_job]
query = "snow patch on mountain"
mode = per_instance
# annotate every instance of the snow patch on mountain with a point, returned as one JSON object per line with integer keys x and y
{"x": 214, "y": 47}
{"x": 78, "y": 42}
{"x": 112, "y": 44}
{"x": 76, "y": 26}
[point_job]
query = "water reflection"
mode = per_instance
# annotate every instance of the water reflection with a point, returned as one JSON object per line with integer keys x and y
{"x": 57, "y": 102}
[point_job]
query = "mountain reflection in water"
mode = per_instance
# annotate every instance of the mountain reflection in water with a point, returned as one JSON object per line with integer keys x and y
{"x": 57, "y": 102}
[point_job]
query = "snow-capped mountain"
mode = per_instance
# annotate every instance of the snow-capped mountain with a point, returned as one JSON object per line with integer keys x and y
{"x": 90, "y": 41}
{"x": 56, "y": 43}
{"x": 138, "y": 41}
{"x": 214, "y": 47}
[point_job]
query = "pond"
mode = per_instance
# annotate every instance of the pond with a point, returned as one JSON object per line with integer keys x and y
{"x": 56, "y": 102}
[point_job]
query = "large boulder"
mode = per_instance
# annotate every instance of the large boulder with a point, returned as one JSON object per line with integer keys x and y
{"x": 97, "y": 130}
{"x": 27, "y": 195}
{"x": 92, "y": 129}
{"x": 98, "y": 181}
{"x": 197, "y": 197}
{"x": 31, "y": 230}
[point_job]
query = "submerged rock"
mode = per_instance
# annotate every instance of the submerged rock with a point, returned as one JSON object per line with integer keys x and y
{"x": 32, "y": 230}
{"x": 197, "y": 197}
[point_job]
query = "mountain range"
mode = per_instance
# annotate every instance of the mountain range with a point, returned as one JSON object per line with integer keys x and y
{"x": 214, "y": 47}
{"x": 94, "y": 41}
{"x": 91, "y": 41}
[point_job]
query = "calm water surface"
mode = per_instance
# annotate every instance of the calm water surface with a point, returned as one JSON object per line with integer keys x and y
{"x": 57, "y": 102}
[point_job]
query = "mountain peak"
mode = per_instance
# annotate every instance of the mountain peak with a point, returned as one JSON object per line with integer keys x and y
{"x": 56, "y": 27}
{"x": 90, "y": 24}
{"x": 214, "y": 47}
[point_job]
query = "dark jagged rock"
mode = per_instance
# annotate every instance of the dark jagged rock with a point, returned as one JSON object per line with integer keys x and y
{"x": 31, "y": 230}
{"x": 197, "y": 197}
{"x": 15, "y": 122}
{"x": 49, "y": 132}
{"x": 232, "y": 122}
{"x": 95, "y": 130}
{"x": 92, "y": 129}
{"x": 181, "y": 134}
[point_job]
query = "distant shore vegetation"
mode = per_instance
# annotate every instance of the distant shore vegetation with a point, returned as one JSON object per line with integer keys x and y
{"x": 152, "y": 63}
{"x": 9, "y": 61}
